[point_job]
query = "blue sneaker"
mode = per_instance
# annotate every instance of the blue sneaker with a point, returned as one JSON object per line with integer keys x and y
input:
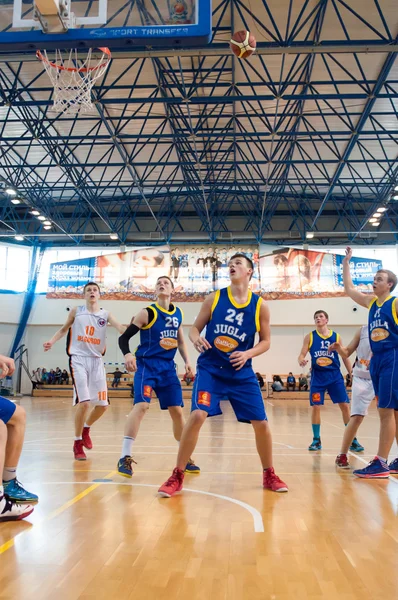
{"x": 393, "y": 466}
{"x": 375, "y": 470}
{"x": 316, "y": 445}
{"x": 192, "y": 468}
{"x": 15, "y": 491}
{"x": 356, "y": 446}
{"x": 125, "y": 466}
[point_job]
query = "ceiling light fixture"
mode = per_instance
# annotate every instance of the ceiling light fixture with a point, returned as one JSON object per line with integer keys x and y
{"x": 10, "y": 191}
{"x": 41, "y": 218}
{"x": 382, "y": 209}
{"x": 19, "y": 238}
{"x": 46, "y": 222}
{"x": 114, "y": 236}
{"x": 15, "y": 201}
{"x": 373, "y": 220}
{"x": 376, "y": 224}
{"x": 34, "y": 212}
{"x": 309, "y": 235}
{"x": 47, "y": 227}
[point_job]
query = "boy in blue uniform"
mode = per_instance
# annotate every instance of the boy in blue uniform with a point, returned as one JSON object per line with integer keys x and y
{"x": 12, "y": 431}
{"x": 326, "y": 376}
{"x": 161, "y": 333}
{"x": 232, "y": 316}
{"x": 383, "y": 338}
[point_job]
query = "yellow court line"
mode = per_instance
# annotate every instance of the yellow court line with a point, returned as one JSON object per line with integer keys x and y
{"x": 10, "y": 543}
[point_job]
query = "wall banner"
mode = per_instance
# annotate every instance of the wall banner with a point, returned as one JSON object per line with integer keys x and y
{"x": 292, "y": 273}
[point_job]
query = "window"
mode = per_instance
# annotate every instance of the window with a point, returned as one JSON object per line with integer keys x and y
{"x": 14, "y": 268}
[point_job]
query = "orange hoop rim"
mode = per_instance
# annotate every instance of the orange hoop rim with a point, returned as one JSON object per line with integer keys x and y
{"x": 45, "y": 60}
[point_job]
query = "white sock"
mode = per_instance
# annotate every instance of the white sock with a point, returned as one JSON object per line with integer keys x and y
{"x": 127, "y": 446}
{"x": 9, "y": 473}
{"x": 85, "y": 425}
{"x": 78, "y": 438}
{"x": 1, "y": 491}
{"x": 384, "y": 460}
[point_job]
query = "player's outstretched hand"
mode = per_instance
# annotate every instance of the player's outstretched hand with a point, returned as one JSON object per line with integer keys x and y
{"x": 7, "y": 365}
{"x": 131, "y": 363}
{"x": 335, "y": 347}
{"x": 238, "y": 360}
{"x": 202, "y": 344}
{"x": 348, "y": 255}
{"x": 47, "y": 346}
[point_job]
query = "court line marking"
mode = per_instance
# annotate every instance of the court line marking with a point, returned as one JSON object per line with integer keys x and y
{"x": 10, "y": 543}
{"x": 366, "y": 462}
{"x": 257, "y": 518}
{"x": 160, "y": 446}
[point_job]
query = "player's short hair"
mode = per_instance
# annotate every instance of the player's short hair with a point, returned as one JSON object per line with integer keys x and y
{"x": 321, "y": 312}
{"x": 391, "y": 277}
{"x": 248, "y": 260}
{"x": 165, "y": 277}
{"x": 91, "y": 283}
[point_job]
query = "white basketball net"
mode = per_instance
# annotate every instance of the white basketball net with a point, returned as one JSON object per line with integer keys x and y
{"x": 73, "y": 79}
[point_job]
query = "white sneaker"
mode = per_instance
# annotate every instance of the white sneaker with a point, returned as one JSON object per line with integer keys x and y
{"x": 12, "y": 511}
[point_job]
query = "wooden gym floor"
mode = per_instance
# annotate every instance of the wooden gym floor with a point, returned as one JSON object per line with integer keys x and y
{"x": 331, "y": 537}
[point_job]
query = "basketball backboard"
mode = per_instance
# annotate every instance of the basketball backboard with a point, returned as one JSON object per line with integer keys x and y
{"x": 112, "y": 23}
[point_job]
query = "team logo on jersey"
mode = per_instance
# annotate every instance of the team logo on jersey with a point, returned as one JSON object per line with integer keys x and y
{"x": 379, "y": 334}
{"x": 316, "y": 398}
{"x": 324, "y": 361}
{"x": 225, "y": 343}
{"x": 204, "y": 398}
{"x": 147, "y": 391}
{"x": 101, "y": 322}
{"x": 168, "y": 343}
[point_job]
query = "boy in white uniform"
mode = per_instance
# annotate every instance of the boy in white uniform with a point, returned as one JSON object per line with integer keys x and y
{"x": 86, "y": 329}
{"x": 362, "y": 388}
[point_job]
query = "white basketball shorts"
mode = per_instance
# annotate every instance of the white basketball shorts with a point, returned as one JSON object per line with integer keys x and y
{"x": 89, "y": 380}
{"x": 362, "y": 395}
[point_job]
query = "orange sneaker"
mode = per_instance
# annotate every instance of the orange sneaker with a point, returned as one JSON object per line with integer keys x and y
{"x": 78, "y": 450}
{"x": 87, "y": 443}
{"x": 272, "y": 481}
{"x": 173, "y": 484}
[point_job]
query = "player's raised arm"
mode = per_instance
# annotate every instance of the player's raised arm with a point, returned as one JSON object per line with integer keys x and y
{"x": 349, "y": 287}
{"x": 115, "y": 323}
{"x": 61, "y": 332}
{"x": 304, "y": 350}
{"x": 204, "y": 316}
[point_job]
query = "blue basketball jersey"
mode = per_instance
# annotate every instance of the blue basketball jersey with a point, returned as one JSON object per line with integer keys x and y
{"x": 232, "y": 328}
{"x": 158, "y": 339}
{"x": 321, "y": 360}
{"x": 383, "y": 325}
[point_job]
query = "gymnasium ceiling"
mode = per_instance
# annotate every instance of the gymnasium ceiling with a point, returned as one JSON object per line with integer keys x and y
{"x": 301, "y": 137}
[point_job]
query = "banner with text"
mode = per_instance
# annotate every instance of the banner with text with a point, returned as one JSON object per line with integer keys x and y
{"x": 292, "y": 273}
{"x": 121, "y": 276}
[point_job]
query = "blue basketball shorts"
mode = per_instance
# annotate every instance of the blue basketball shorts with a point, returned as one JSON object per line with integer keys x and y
{"x": 7, "y": 409}
{"x": 335, "y": 388}
{"x": 164, "y": 383}
{"x": 242, "y": 391}
{"x": 384, "y": 373}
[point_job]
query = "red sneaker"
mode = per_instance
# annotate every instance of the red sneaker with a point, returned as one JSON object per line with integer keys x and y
{"x": 78, "y": 450}
{"x": 342, "y": 461}
{"x": 87, "y": 443}
{"x": 272, "y": 481}
{"x": 173, "y": 484}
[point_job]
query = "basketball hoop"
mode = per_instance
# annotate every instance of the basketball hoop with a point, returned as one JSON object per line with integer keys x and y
{"x": 73, "y": 84}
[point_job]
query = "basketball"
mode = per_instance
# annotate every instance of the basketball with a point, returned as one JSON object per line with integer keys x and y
{"x": 243, "y": 44}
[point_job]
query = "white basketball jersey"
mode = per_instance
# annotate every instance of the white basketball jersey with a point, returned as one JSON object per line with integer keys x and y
{"x": 87, "y": 336}
{"x": 364, "y": 354}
